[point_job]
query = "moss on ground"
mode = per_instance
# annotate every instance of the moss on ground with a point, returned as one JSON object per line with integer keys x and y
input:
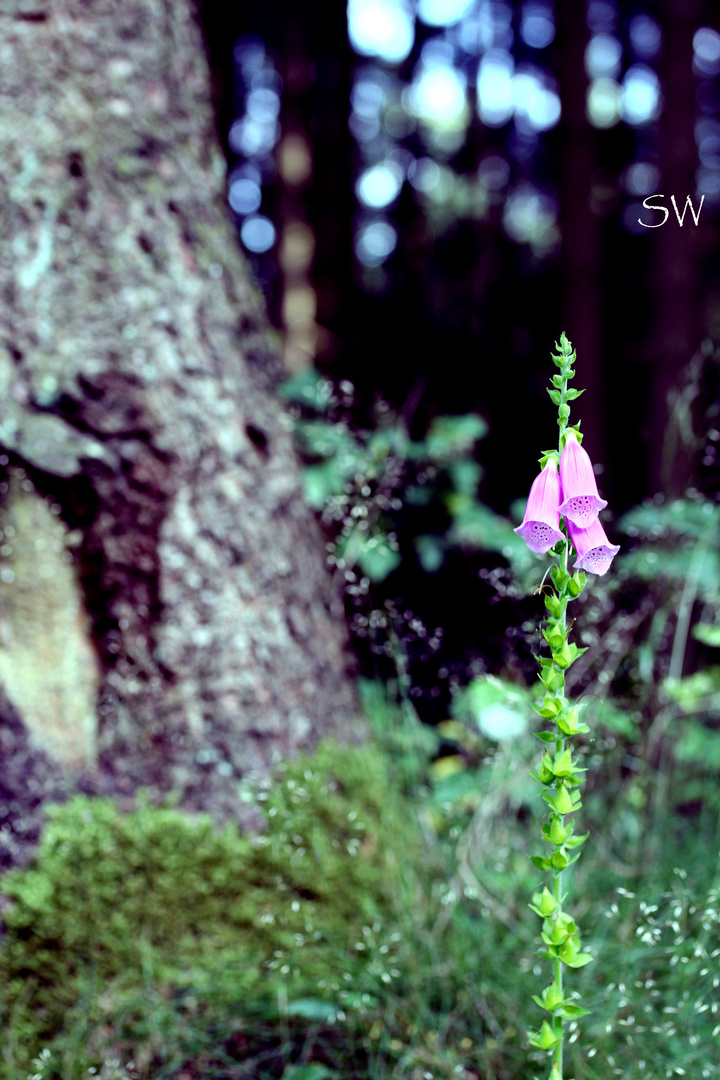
{"x": 120, "y": 909}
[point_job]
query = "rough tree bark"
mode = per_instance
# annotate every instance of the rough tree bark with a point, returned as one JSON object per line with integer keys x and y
{"x": 138, "y": 375}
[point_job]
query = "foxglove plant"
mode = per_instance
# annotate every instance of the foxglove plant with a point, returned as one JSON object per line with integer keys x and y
{"x": 571, "y": 494}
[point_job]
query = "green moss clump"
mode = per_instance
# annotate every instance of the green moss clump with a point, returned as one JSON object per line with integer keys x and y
{"x": 156, "y": 894}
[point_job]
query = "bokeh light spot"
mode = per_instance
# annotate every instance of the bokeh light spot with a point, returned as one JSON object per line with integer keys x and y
{"x": 602, "y": 16}
{"x": 424, "y": 175}
{"x": 534, "y": 101}
{"x": 257, "y": 233}
{"x": 249, "y": 138}
{"x": 603, "y": 57}
{"x": 263, "y": 105}
{"x": 536, "y": 26}
{"x": 530, "y": 218}
{"x": 443, "y": 12}
{"x": 640, "y": 95}
{"x": 706, "y": 45}
{"x": 244, "y": 196}
{"x": 379, "y": 185}
{"x": 438, "y": 94}
{"x": 383, "y": 28}
{"x": 645, "y": 37}
{"x": 494, "y": 88}
{"x": 642, "y": 178}
{"x": 374, "y": 242}
{"x": 603, "y": 103}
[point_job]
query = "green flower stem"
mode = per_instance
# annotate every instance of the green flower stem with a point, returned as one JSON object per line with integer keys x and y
{"x": 559, "y": 773}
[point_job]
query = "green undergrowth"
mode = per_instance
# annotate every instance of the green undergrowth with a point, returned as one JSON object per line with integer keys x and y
{"x": 126, "y": 918}
{"x": 378, "y": 929}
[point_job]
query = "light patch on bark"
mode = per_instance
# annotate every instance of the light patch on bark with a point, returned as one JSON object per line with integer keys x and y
{"x": 47, "y": 663}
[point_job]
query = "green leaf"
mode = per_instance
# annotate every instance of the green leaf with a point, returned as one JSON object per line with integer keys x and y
{"x": 320, "y": 482}
{"x": 707, "y": 634}
{"x": 465, "y": 475}
{"x": 544, "y": 954}
{"x": 699, "y": 745}
{"x": 498, "y": 708}
{"x": 450, "y": 436}
{"x": 541, "y": 862}
{"x": 554, "y": 396}
{"x": 431, "y": 552}
{"x": 313, "y": 1071}
{"x": 312, "y": 1009}
{"x": 308, "y": 388}
{"x": 580, "y": 960}
{"x": 576, "y": 841}
{"x": 378, "y": 558}
{"x": 324, "y": 439}
{"x": 573, "y": 1012}
{"x": 545, "y": 736}
{"x": 376, "y": 555}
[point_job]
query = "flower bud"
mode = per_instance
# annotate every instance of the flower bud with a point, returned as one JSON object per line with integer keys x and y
{"x": 557, "y": 833}
{"x": 569, "y": 950}
{"x": 545, "y": 1038}
{"x": 563, "y": 657}
{"x": 563, "y": 802}
{"x": 568, "y": 722}
{"x": 544, "y": 903}
{"x": 554, "y": 932}
{"x": 563, "y": 765}
{"x": 552, "y": 996}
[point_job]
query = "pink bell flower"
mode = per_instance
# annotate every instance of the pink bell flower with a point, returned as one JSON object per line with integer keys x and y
{"x": 593, "y": 549}
{"x": 581, "y": 502}
{"x": 541, "y": 525}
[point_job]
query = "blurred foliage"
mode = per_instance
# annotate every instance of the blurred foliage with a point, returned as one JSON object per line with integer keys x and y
{"x": 374, "y": 484}
{"x": 411, "y": 956}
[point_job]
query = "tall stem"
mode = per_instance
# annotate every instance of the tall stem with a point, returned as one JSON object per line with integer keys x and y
{"x": 557, "y": 874}
{"x": 563, "y": 419}
{"x": 559, "y": 773}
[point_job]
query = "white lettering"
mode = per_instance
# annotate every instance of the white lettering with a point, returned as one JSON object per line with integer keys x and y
{"x": 653, "y": 206}
{"x": 688, "y": 202}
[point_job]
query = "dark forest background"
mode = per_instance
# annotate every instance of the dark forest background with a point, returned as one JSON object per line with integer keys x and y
{"x": 428, "y": 194}
{"x": 507, "y": 229}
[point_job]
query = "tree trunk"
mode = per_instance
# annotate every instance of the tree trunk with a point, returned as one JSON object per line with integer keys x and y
{"x": 139, "y": 372}
{"x": 580, "y": 224}
{"x": 678, "y": 325}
